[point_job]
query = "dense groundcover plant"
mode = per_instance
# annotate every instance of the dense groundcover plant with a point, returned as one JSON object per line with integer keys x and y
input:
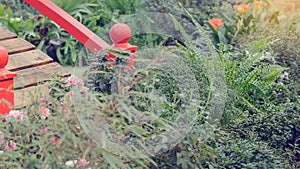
{"x": 285, "y": 51}
{"x": 283, "y": 30}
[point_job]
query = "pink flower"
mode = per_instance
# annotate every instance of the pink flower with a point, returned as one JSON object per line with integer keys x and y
{"x": 41, "y": 131}
{"x": 71, "y": 95}
{"x": 84, "y": 91}
{"x": 45, "y": 112}
{"x": 71, "y": 81}
{"x": 1, "y": 138}
{"x": 74, "y": 81}
{"x": 45, "y": 130}
{"x": 80, "y": 83}
{"x": 83, "y": 163}
{"x": 10, "y": 146}
{"x": 32, "y": 108}
{"x": 16, "y": 114}
{"x": 66, "y": 107}
{"x": 44, "y": 100}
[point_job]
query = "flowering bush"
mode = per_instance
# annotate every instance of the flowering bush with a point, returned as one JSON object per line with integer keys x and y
{"x": 239, "y": 19}
{"x": 49, "y": 133}
{"x": 45, "y": 134}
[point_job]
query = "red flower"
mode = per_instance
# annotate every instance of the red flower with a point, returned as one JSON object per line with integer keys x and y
{"x": 257, "y": 4}
{"x": 241, "y": 9}
{"x": 55, "y": 140}
{"x": 216, "y": 23}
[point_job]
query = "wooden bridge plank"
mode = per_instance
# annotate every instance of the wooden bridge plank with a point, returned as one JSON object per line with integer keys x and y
{"x": 27, "y": 59}
{"x": 16, "y": 45}
{"x": 32, "y": 66}
{"x": 35, "y": 75}
{"x": 29, "y": 95}
{"x": 6, "y": 34}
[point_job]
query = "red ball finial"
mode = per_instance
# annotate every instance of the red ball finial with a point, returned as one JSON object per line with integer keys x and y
{"x": 120, "y": 33}
{"x": 3, "y": 57}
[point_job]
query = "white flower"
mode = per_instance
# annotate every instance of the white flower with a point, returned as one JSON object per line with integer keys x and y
{"x": 16, "y": 114}
{"x": 71, "y": 163}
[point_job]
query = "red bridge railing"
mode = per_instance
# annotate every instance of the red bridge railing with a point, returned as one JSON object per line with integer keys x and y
{"x": 70, "y": 24}
{"x": 120, "y": 35}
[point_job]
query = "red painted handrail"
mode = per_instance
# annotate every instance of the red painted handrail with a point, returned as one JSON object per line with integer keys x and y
{"x": 119, "y": 34}
{"x": 70, "y": 24}
{"x": 6, "y": 84}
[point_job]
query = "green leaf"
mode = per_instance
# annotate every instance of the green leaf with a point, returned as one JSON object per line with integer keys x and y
{"x": 63, "y": 60}
{"x": 9, "y": 12}
{"x": 112, "y": 160}
{"x": 222, "y": 38}
{"x": 2, "y": 13}
{"x": 260, "y": 44}
{"x": 274, "y": 17}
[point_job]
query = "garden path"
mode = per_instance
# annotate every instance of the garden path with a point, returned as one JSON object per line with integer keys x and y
{"x": 32, "y": 66}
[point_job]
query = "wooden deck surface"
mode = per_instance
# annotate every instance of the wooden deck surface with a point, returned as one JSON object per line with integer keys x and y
{"x": 32, "y": 66}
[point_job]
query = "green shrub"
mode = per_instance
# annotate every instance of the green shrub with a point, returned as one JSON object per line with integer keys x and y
{"x": 208, "y": 147}
{"x": 247, "y": 153}
{"x": 278, "y": 125}
{"x": 278, "y": 128}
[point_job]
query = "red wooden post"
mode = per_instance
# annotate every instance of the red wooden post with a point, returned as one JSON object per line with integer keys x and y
{"x": 6, "y": 84}
{"x": 120, "y": 35}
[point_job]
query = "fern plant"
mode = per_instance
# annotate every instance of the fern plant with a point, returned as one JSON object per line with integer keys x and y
{"x": 204, "y": 59}
{"x": 251, "y": 78}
